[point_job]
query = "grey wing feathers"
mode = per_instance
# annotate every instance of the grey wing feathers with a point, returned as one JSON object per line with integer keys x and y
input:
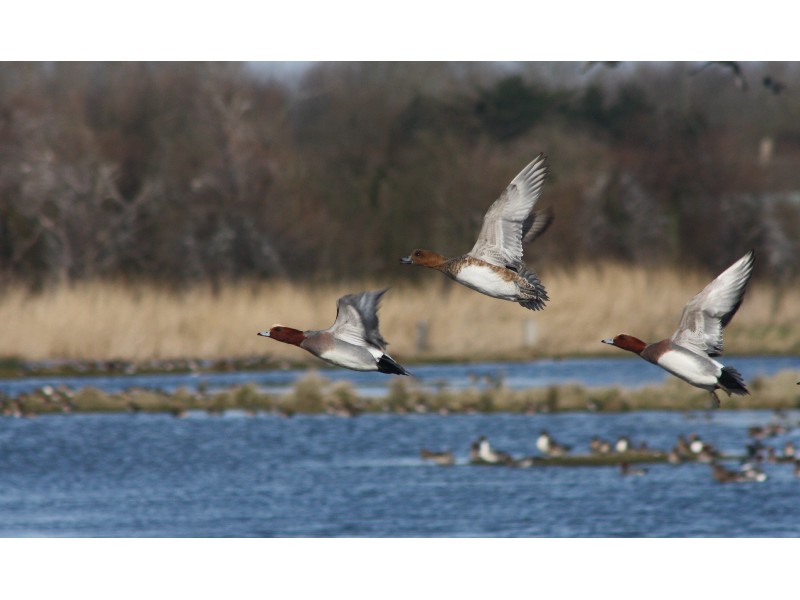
{"x": 509, "y": 217}
{"x": 537, "y": 224}
{"x": 357, "y": 319}
{"x": 705, "y": 315}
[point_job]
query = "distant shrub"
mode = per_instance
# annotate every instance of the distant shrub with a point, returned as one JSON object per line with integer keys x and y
{"x": 308, "y": 394}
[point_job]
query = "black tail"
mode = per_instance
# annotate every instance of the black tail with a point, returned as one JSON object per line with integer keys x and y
{"x": 539, "y": 294}
{"x": 387, "y": 364}
{"x": 731, "y": 381}
{"x": 535, "y": 304}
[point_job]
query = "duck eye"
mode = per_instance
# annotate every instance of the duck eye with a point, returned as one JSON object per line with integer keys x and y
{"x": 418, "y": 253}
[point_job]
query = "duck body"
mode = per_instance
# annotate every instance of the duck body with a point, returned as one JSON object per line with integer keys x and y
{"x": 486, "y": 455}
{"x": 350, "y": 356}
{"x": 513, "y": 282}
{"x": 494, "y": 266}
{"x": 444, "y": 458}
{"x": 491, "y": 280}
{"x": 700, "y": 371}
{"x": 548, "y": 446}
{"x": 543, "y": 442}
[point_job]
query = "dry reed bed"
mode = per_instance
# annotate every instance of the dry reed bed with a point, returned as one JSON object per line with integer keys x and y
{"x": 105, "y": 320}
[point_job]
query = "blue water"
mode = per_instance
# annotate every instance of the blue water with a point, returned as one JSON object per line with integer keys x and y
{"x": 127, "y": 475}
{"x": 593, "y": 372}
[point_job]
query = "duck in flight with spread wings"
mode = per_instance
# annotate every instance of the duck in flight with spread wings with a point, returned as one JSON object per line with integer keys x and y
{"x": 353, "y": 341}
{"x": 494, "y": 265}
{"x": 690, "y": 353}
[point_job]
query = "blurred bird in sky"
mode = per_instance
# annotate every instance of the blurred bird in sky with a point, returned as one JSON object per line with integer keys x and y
{"x": 738, "y": 76}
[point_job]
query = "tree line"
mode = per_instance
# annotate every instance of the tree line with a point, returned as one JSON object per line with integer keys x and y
{"x": 187, "y": 172}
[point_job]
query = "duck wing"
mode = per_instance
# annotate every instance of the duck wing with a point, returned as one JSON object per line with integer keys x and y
{"x": 509, "y": 217}
{"x": 357, "y": 319}
{"x": 705, "y": 315}
{"x": 537, "y": 224}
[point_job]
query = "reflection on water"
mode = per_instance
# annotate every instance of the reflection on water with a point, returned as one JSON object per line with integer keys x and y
{"x": 234, "y": 475}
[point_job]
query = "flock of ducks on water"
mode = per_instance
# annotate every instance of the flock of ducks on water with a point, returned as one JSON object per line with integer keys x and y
{"x": 687, "y": 449}
{"x": 494, "y": 267}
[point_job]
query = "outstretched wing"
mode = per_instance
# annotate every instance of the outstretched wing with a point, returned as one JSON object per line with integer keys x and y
{"x": 537, "y": 223}
{"x": 357, "y": 319}
{"x": 705, "y": 315}
{"x": 508, "y": 218}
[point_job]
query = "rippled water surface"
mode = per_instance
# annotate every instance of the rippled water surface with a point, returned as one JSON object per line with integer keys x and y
{"x": 325, "y": 476}
{"x": 592, "y": 372}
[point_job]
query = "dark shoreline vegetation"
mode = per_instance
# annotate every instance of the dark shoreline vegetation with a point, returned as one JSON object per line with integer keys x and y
{"x": 313, "y": 394}
{"x": 184, "y": 173}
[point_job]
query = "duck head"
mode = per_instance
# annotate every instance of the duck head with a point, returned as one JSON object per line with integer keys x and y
{"x": 287, "y": 335}
{"x": 424, "y": 258}
{"x": 626, "y": 342}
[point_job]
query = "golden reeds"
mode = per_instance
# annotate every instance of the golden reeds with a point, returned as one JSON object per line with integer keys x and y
{"x": 105, "y": 320}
